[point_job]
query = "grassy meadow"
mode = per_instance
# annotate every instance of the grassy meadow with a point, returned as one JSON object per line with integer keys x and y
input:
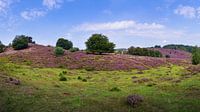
{"x": 165, "y": 89}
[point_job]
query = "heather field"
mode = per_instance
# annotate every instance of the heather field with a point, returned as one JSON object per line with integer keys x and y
{"x": 99, "y": 56}
{"x": 167, "y": 87}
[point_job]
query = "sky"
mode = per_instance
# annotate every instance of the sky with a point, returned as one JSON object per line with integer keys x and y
{"x": 142, "y": 23}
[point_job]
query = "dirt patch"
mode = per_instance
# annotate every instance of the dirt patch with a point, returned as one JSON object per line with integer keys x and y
{"x": 13, "y": 81}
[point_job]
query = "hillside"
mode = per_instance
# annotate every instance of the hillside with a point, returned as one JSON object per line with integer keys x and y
{"x": 180, "y": 54}
{"x": 42, "y": 56}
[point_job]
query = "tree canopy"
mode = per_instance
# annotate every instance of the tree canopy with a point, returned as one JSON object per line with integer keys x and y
{"x": 64, "y": 43}
{"x": 99, "y": 43}
{"x": 20, "y": 42}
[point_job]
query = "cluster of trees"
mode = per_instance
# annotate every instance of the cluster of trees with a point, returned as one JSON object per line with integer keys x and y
{"x": 143, "y": 52}
{"x": 96, "y": 44}
{"x": 180, "y": 47}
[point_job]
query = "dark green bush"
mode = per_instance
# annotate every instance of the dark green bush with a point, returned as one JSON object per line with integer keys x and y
{"x": 167, "y": 56}
{"x": 84, "y": 80}
{"x": 2, "y": 47}
{"x": 62, "y": 77}
{"x": 74, "y": 49}
{"x": 64, "y": 43}
{"x": 196, "y": 56}
{"x": 143, "y": 52}
{"x": 79, "y": 78}
{"x": 59, "y": 51}
{"x": 115, "y": 89}
{"x": 99, "y": 43}
{"x": 20, "y": 42}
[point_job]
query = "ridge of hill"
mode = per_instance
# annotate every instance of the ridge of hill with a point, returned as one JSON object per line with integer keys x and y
{"x": 43, "y": 56}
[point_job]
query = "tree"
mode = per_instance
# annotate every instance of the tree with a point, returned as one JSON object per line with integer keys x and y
{"x": 157, "y": 46}
{"x": 30, "y": 39}
{"x": 196, "y": 56}
{"x": 99, "y": 43}
{"x": 2, "y": 47}
{"x": 64, "y": 43}
{"x": 20, "y": 42}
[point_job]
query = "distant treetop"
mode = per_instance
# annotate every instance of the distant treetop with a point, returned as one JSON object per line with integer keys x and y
{"x": 180, "y": 47}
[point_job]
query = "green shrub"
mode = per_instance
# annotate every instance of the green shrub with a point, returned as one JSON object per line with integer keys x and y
{"x": 74, "y": 49}
{"x": 196, "y": 56}
{"x": 64, "y": 72}
{"x": 115, "y": 89}
{"x": 84, "y": 80}
{"x": 64, "y": 43}
{"x": 2, "y": 47}
{"x": 20, "y": 42}
{"x": 99, "y": 43}
{"x": 167, "y": 56}
{"x": 79, "y": 78}
{"x": 59, "y": 51}
{"x": 62, "y": 77}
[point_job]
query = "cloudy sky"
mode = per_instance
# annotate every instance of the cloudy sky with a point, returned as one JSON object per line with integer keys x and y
{"x": 125, "y": 22}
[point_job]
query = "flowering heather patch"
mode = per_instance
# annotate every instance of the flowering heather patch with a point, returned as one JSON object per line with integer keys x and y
{"x": 172, "y": 53}
{"x": 42, "y": 56}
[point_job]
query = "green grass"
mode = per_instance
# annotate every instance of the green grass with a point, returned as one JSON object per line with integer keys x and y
{"x": 41, "y": 91}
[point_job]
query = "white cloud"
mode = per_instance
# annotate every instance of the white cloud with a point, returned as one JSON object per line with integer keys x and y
{"x": 186, "y": 11}
{"x": 130, "y": 28}
{"x": 118, "y": 25}
{"x": 32, "y": 14}
{"x": 198, "y": 12}
{"x": 5, "y": 5}
{"x": 51, "y": 4}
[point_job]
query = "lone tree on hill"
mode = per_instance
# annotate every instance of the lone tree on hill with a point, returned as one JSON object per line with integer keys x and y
{"x": 99, "y": 43}
{"x": 64, "y": 43}
{"x": 2, "y": 47}
{"x": 196, "y": 56}
{"x": 20, "y": 42}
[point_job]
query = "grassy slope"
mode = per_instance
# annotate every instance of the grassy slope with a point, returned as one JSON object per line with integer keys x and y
{"x": 41, "y": 90}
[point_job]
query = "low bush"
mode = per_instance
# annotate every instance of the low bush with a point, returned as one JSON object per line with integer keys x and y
{"x": 59, "y": 51}
{"x": 62, "y": 77}
{"x": 79, "y": 78}
{"x": 84, "y": 80}
{"x": 167, "y": 56}
{"x": 74, "y": 49}
{"x": 115, "y": 89}
{"x": 196, "y": 56}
